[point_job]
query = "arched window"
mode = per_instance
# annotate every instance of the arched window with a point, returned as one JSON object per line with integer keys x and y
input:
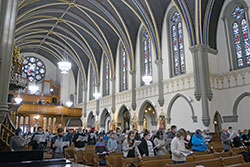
{"x": 240, "y": 35}
{"x": 92, "y": 83}
{"x": 147, "y": 54}
{"x": 80, "y": 88}
{"x": 106, "y": 77}
{"x": 177, "y": 57}
{"x": 123, "y": 69}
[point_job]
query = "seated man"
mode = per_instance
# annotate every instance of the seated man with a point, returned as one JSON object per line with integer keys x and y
{"x": 58, "y": 143}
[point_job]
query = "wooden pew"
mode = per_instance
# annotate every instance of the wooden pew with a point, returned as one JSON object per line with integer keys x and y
{"x": 225, "y": 154}
{"x": 238, "y": 159}
{"x": 88, "y": 157}
{"x": 69, "y": 153}
{"x": 154, "y": 163}
{"x": 127, "y": 161}
{"x": 156, "y": 157}
{"x": 238, "y": 150}
{"x": 206, "y": 163}
{"x": 114, "y": 160}
{"x": 78, "y": 156}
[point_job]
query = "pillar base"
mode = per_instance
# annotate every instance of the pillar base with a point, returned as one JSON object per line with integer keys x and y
{"x": 4, "y": 109}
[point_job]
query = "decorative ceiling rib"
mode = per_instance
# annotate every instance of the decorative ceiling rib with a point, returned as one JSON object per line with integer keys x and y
{"x": 87, "y": 29}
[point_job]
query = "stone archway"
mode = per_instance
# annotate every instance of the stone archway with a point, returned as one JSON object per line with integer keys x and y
{"x": 148, "y": 116}
{"x": 91, "y": 120}
{"x": 105, "y": 120}
{"x": 124, "y": 118}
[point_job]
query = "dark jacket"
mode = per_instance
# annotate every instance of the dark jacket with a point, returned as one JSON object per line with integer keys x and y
{"x": 78, "y": 144}
{"x": 34, "y": 144}
{"x": 53, "y": 140}
{"x": 17, "y": 143}
{"x": 143, "y": 147}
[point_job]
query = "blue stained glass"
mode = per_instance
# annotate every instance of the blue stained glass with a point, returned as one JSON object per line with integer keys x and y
{"x": 124, "y": 69}
{"x": 176, "y": 16}
{"x": 238, "y": 12}
{"x": 177, "y": 44}
{"x": 147, "y": 54}
{"x": 106, "y": 76}
{"x": 237, "y": 43}
{"x": 246, "y": 40}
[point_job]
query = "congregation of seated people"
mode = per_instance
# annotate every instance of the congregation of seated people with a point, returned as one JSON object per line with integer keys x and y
{"x": 177, "y": 143}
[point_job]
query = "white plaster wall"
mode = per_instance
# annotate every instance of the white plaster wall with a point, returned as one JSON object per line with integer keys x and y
{"x": 67, "y": 87}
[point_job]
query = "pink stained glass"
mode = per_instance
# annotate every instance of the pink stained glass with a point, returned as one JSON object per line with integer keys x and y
{"x": 237, "y": 43}
{"x": 246, "y": 40}
{"x": 181, "y": 49}
{"x": 107, "y": 78}
{"x": 124, "y": 69}
{"x": 175, "y": 50}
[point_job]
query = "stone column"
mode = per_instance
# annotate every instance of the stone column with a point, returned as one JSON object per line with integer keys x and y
{"x": 85, "y": 103}
{"x": 133, "y": 104}
{"x": 8, "y": 13}
{"x": 113, "y": 95}
{"x": 98, "y": 101}
{"x": 203, "y": 90}
{"x": 160, "y": 82}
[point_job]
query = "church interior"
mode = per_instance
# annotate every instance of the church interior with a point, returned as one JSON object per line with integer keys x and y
{"x": 101, "y": 82}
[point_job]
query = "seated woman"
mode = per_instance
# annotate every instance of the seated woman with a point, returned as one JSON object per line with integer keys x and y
{"x": 129, "y": 151}
{"x": 198, "y": 142}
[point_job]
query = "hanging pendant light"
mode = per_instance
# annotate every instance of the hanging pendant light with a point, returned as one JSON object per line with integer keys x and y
{"x": 147, "y": 79}
{"x": 64, "y": 66}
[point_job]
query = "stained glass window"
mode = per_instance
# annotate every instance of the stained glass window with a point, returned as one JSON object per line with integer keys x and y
{"x": 241, "y": 40}
{"x": 178, "y": 58}
{"x": 106, "y": 77}
{"x": 124, "y": 70}
{"x": 33, "y": 68}
{"x": 147, "y": 54}
{"x": 92, "y": 83}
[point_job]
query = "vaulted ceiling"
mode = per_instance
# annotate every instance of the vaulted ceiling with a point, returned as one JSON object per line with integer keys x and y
{"x": 82, "y": 30}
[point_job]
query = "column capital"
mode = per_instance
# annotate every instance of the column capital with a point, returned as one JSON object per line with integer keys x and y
{"x": 199, "y": 47}
{"x": 159, "y": 61}
{"x": 132, "y": 72}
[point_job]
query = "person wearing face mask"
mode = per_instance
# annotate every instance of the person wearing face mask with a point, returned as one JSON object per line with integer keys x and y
{"x": 128, "y": 146}
{"x": 160, "y": 144}
{"x": 118, "y": 137}
{"x": 37, "y": 145}
{"x": 170, "y": 137}
{"x": 78, "y": 143}
{"x": 226, "y": 140}
{"x": 17, "y": 142}
{"x": 112, "y": 143}
{"x": 101, "y": 150}
{"x": 178, "y": 146}
{"x": 58, "y": 151}
{"x": 198, "y": 142}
